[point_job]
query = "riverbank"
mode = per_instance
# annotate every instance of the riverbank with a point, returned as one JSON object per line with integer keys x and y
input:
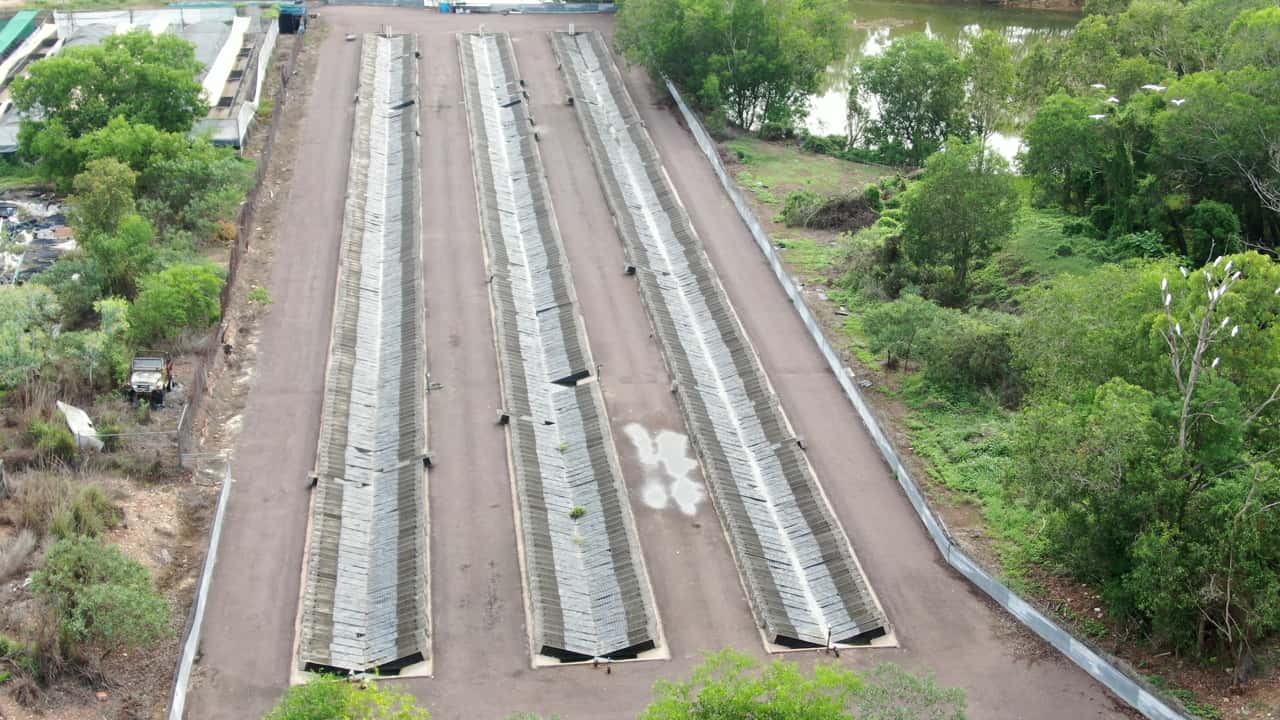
{"x": 960, "y": 444}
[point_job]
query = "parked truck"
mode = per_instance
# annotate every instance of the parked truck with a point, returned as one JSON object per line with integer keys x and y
{"x": 150, "y": 378}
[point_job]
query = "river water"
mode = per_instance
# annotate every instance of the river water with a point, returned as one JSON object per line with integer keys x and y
{"x": 878, "y": 23}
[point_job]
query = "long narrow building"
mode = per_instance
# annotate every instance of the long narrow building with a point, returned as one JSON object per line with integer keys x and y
{"x": 365, "y": 601}
{"x": 589, "y": 595}
{"x": 803, "y": 580}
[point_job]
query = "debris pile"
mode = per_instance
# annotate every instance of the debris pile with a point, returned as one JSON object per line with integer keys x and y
{"x": 33, "y": 234}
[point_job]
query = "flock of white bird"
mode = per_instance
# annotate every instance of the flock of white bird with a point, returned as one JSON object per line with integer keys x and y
{"x": 1116, "y": 101}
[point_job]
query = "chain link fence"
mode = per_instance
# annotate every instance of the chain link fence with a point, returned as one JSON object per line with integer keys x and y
{"x": 212, "y": 348}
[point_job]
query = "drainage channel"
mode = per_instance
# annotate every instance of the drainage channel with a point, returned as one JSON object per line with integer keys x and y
{"x": 588, "y": 592}
{"x": 802, "y": 578}
{"x": 365, "y": 603}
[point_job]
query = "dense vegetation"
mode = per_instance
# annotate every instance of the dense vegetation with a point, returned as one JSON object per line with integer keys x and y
{"x": 728, "y": 684}
{"x": 147, "y": 201}
{"x": 1118, "y": 422}
{"x": 751, "y": 61}
{"x": 109, "y": 126}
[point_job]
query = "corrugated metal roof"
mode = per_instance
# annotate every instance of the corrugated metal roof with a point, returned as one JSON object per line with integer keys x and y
{"x": 803, "y": 580}
{"x": 589, "y": 594}
{"x": 365, "y": 597}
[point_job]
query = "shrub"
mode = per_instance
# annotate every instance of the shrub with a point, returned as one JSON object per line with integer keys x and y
{"x": 52, "y": 440}
{"x": 109, "y": 430}
{"x": 824, "y": 144}
{"x": 972, "y": 351}
{"x": 577, "y": 512}
{"x": 90, "y": 513}
{"x": 179, "y": 298}
{"x": 326, "y": 697}
{"x": 1145, "y": 244}
{"x": 895, "y": 328}
{"x": 872, "y": 196}
{"x": 37, "y": 498}
{"x": 799, "y": 207}
{"x": 101, "y": 597}
{"x": 258, "y": 295}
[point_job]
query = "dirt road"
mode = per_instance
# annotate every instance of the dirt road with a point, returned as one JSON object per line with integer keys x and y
{"x": 481, "y": 660}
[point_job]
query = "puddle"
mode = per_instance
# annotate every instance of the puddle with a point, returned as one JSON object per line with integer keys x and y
{"x": 668, "y": 467}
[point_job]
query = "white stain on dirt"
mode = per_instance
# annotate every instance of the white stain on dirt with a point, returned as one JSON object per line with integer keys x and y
{"x": 668, "y": 469}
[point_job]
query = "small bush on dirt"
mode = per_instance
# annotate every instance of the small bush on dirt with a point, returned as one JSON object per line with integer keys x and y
{"x": 37, "y": 498}
{"x": 90, "y": 513}
{"x": 873, "y": 198}
{"x": 49, "y": 502}
{"x": 258, "y": 295}
{"x": 109, "y": 430}
{"x": 799, "y": 207}
{"x": 14, "y": 554}
{"x": 51, "y": 440}
{"x": 101, "y": 597}
{"x": 18, "y": 656}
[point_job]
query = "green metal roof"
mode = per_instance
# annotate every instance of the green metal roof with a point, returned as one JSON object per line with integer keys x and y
{"x": 17, "y": 30}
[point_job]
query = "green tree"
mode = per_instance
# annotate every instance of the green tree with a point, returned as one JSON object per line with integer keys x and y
{"x": 1253, "y": 40}
{"x": 766, "y": 58}
{"x": 27, "y": 318}
{"x": 1065, "y": 149}
{"x": 1148, "y": 443}
{"x": 176, "y": 299}
{"x": 97, "y": 355}
{"x": 103, "y": 197}
{"x": 77, "y": 282}
{"x": 730, "y": 684}
{"x": 141, "y": 76}
{"x": 992, "y": 81}
{"x": 103, "y": 599}
{"x": 1211, "y": 229}
{"x": 958, "y": 213}
{"x": 124, "y": 255}
{"x": 325, "y": 697}
{"x": 918, "y": 84}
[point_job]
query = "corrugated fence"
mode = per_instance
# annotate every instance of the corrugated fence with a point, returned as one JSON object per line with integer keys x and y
{"x": 589, "y": 595}
{"x": 803, "y": 580}
{"x": 365, "y": 605}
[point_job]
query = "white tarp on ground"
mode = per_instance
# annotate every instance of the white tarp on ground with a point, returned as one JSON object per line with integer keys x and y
{"x": 81, "y": 426}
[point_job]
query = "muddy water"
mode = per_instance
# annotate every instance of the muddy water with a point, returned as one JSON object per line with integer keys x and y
{"x": 878, "y": 23}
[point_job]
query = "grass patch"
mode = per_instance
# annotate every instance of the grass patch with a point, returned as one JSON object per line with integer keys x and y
{"x": 779, "y": 168}
{"x": 1188, "y": 698}
{"x": 1037, "y": 249}
{"x": 966, "y": 441}
{"x": 807, "y": 256}
{"x": 16, "y": 175}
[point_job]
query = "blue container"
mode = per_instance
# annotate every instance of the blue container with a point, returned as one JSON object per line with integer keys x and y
{"x": 444, "y": 8}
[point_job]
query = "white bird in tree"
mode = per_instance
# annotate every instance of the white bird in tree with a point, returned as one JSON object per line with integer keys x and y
{"x": 1098, "y": 86}
{"x": 1097, "y": 117}
{"x": 1178, "y": 101}
{"x": 1154, "y": 88}
{"x": 1113, "y": 100}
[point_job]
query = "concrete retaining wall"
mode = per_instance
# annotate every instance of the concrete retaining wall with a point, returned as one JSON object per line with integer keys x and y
{"x": 1102, "y": 669}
